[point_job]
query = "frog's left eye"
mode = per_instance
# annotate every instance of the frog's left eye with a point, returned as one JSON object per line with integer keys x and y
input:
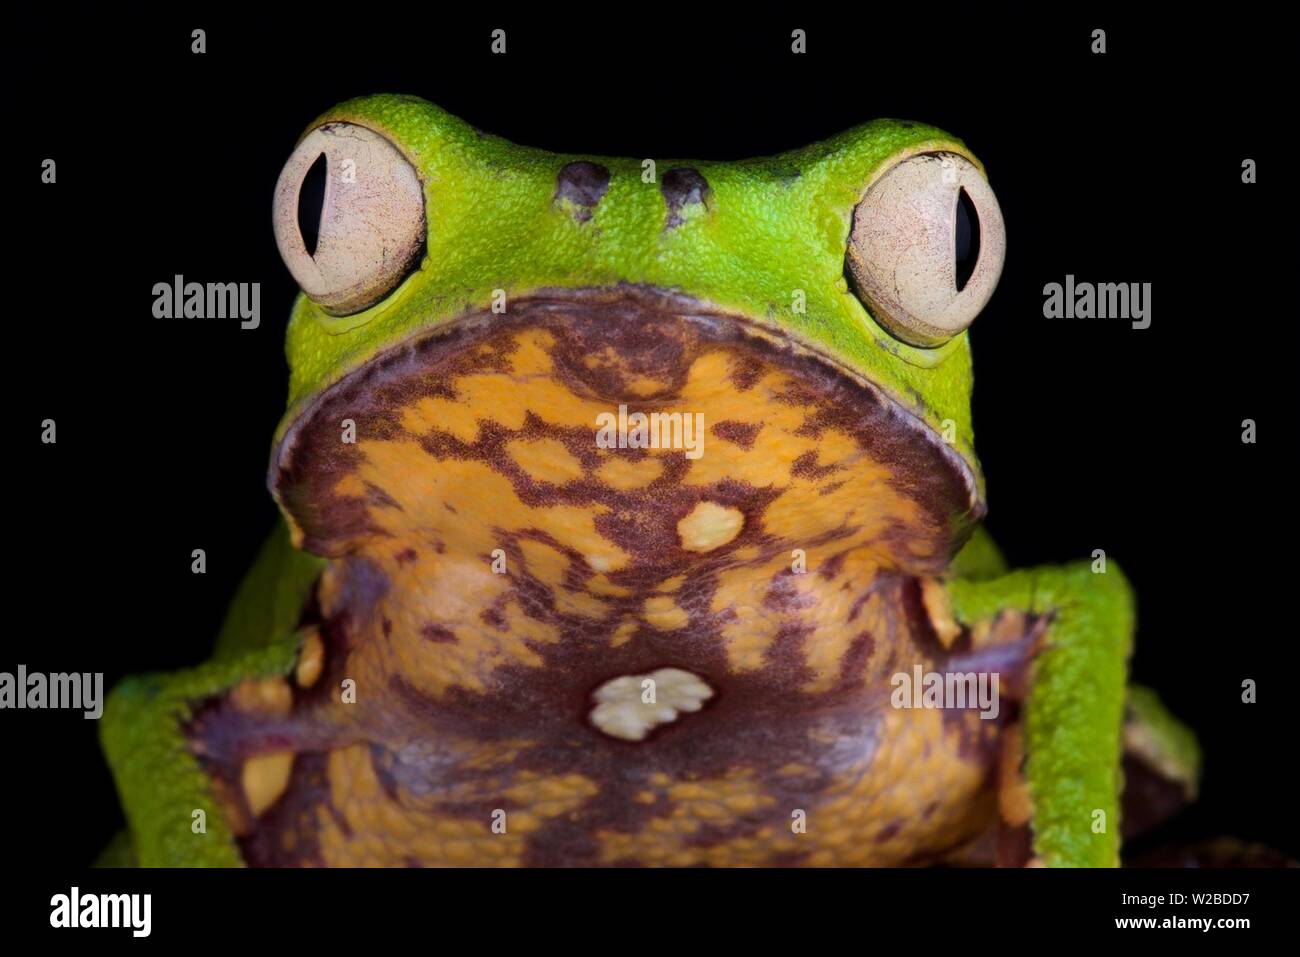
{"x": 371, "y": 230}
{"x": 926, "y": 247}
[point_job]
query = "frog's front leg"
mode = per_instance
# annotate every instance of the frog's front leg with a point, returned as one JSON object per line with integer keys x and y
{"x": 1060, "y": 774}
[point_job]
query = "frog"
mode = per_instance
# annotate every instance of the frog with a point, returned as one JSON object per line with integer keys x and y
{"x": 630, "y": 514}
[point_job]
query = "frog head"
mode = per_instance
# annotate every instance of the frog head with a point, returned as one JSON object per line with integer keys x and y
{"x": 625, "y": 372}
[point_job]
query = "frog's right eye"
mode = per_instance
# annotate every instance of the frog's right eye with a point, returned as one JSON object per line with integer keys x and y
{"x": 351, "y": 247}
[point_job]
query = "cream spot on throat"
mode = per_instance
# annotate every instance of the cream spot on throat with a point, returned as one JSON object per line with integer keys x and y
{"x": 709, "y": 526}
{"x": 631, "y": 706}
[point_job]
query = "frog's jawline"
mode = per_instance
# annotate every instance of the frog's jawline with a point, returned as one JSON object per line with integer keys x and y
{"x": 627, "y": 317}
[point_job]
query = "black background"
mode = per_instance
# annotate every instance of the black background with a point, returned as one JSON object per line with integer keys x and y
{"x": 1117, "y": 168}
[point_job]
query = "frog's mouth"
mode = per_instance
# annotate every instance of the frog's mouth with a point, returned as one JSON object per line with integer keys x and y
{"x": 643, "y": 433}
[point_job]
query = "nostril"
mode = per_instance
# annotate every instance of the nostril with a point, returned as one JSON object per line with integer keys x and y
{"x": 967, "y": 239}
{"x": 311, "y": 203}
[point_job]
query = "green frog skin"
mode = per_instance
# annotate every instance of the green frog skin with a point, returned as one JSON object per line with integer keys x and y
{"x": 492, "y": 629}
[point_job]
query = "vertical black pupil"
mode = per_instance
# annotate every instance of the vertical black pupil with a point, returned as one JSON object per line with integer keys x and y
{"x": 968, "y": 239}
{"x": 311, "y": 203}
